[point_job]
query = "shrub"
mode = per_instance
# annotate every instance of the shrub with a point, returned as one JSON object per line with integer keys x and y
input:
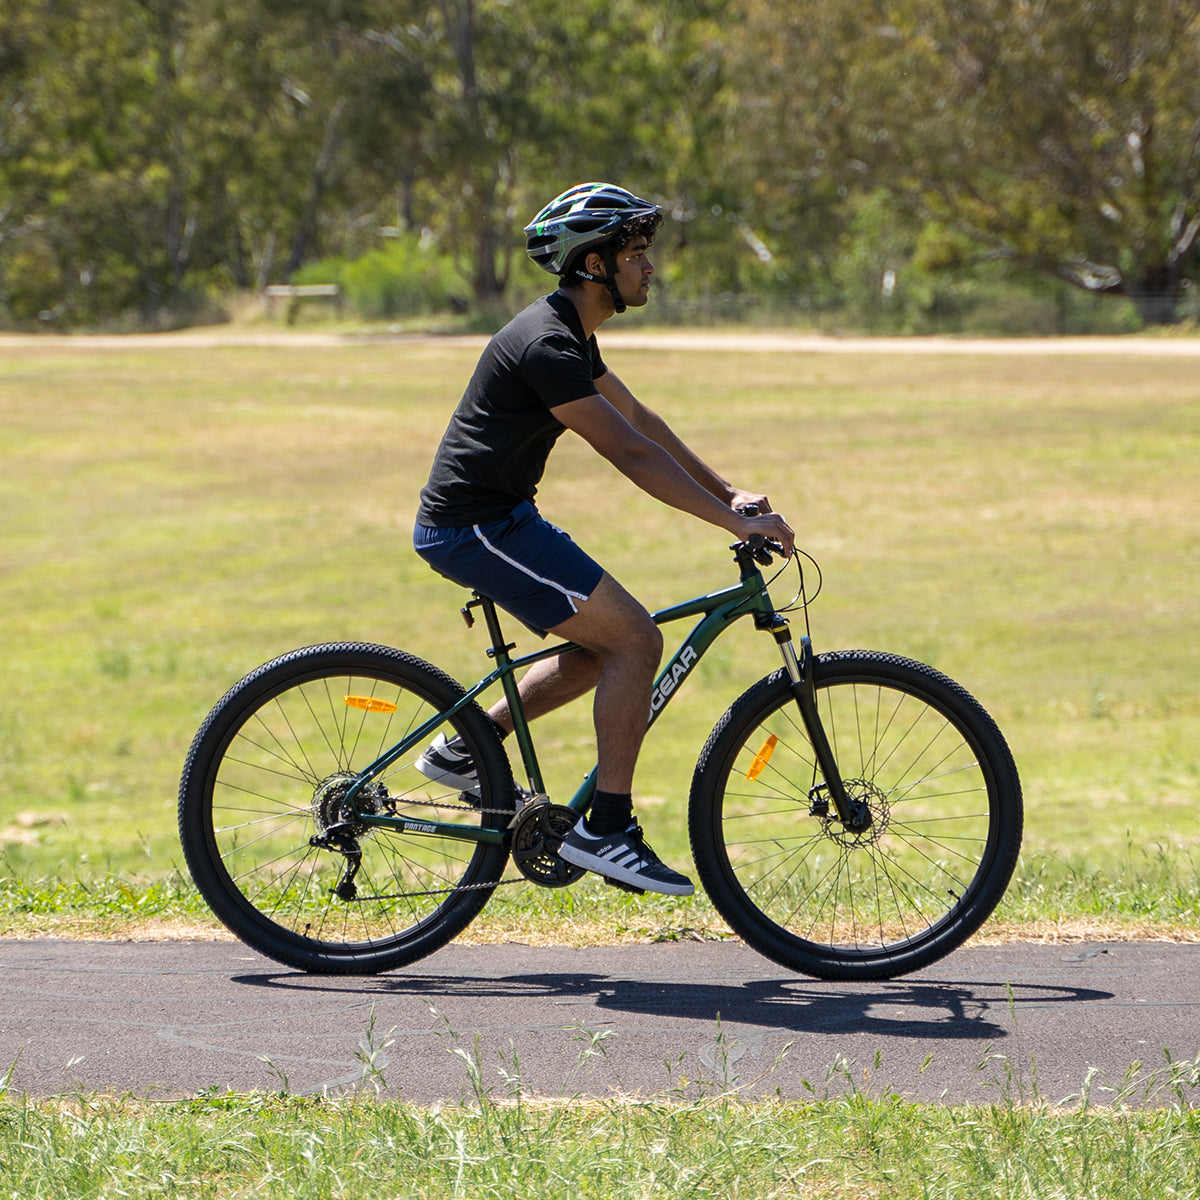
{"x": 405, "y": 278}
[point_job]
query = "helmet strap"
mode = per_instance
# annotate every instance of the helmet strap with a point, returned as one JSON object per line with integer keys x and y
{"x": 610, "y": 265}
{"x": 609, "y": 255}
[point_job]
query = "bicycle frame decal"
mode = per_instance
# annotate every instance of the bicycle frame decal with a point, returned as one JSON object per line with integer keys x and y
{"x": 676, "y": 670}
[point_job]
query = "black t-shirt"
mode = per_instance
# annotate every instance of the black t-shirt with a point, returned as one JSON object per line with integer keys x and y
{"x": 494, "y": 450}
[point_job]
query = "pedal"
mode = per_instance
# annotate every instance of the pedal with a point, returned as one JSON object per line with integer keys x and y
{"x": 622, "y": 886}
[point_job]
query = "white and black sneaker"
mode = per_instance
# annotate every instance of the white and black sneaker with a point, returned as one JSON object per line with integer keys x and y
{"x": 446, "y": 761}
{"x": 623, "y": 857}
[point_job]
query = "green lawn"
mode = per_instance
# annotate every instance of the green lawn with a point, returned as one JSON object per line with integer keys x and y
{"x": 173, "y": 516}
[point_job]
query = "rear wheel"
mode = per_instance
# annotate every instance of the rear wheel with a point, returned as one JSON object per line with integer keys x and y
{"x": 282, "y": 858}
{"x": 945, "y": 831}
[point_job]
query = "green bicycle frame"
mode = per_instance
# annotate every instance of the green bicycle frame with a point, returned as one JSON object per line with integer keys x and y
{"x": 718, "y": 611}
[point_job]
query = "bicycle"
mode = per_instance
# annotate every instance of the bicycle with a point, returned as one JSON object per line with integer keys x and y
{"x": 854, "y": 815}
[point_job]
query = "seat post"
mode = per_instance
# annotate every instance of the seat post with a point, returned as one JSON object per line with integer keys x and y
{"x": 498, "y": 649}
{"x": 498, "y": 653}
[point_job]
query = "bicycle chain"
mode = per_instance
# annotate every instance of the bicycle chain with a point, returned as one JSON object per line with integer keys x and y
{"x": 450, "y": 891}
{"x": 526, "y": 799}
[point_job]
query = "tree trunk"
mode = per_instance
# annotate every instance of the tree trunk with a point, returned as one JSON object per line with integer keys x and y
{"x": 304, "y": 242}
{"x": 1156, "y": 295}
{"x": 487, "y": 284}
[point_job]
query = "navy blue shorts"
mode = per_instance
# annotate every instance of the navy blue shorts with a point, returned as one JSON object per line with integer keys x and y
{"x": 529, "y": 567}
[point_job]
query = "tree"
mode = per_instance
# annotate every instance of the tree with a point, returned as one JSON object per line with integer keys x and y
{"x": 1063, "y": 138}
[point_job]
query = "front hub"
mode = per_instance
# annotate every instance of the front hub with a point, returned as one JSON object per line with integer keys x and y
{"x": 870, "y": 813}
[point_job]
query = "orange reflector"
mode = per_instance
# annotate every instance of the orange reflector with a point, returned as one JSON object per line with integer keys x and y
{"x": 762, "y": 758}
{"x": 370, "y": 704}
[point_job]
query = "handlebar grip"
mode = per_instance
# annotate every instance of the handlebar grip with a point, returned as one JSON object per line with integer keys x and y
{"x": 761, "y": 548}
{"x": 749, "y": 510}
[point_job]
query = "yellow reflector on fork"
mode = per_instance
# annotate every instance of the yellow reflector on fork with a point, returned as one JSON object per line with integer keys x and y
{"x": 370, "y": 704}
{"x": 762, "y": 758}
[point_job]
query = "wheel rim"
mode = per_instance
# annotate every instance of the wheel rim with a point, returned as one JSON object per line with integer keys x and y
{"x": 280, "y": 782}
{"x": 884, "y": 889}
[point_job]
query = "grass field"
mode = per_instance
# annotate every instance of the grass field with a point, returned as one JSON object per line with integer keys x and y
{"x": 1029, "y": 524}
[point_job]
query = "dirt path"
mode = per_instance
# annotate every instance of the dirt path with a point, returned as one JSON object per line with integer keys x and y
{"x": 741, "y": 340}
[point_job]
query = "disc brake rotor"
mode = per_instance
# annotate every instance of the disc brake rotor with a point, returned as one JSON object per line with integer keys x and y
{"x": 863, "y": 792}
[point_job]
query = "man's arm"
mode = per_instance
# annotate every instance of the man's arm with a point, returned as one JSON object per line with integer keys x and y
{"x": 652, "y": 467}
{"x": 649, "y": 424}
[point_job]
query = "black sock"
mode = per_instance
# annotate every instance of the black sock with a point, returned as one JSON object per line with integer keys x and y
{"x": 610, "y": 812}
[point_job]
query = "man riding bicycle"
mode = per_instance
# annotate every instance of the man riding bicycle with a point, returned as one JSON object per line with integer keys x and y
{"x": 477, "y": 524}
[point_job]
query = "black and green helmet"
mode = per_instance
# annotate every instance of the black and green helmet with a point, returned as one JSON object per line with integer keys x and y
{"x": 584, "y": 216}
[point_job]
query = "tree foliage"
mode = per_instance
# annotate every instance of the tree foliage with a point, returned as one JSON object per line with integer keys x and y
{"x": 1063, "y": 138}
{"x": 157, "y": 153}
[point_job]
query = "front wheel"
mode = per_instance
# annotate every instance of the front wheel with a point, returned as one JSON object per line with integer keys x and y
{"x": 281, "y": 854}
{"x": 802, "y": 888}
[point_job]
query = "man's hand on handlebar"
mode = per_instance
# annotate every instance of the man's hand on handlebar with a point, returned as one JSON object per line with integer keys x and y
{"x": 765, "y": 524}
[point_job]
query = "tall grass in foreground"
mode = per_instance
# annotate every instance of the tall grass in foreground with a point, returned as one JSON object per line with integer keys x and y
{"x": 846, "y": 1146}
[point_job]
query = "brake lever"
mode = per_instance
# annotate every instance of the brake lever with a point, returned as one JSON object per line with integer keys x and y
{"x": 762, "y": 548}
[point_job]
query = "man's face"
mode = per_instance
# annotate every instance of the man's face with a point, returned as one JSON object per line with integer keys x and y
{"x": 634, "y": 269}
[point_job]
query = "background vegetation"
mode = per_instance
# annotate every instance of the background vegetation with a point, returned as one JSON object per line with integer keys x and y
{"x": 176, "y": 515}
{"x": 173, "y": 517}
{"x": 927, "y": 165}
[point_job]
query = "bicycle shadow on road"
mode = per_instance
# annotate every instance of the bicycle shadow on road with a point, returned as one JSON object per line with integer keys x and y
{"x": 924, "y": 1009}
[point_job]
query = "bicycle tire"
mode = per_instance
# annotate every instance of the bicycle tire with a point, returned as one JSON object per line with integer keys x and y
{"x": 265, "y": 773}
{"x": 800, "y": 888}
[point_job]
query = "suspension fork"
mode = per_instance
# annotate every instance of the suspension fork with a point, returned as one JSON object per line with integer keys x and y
{"x": 855, "y": 815}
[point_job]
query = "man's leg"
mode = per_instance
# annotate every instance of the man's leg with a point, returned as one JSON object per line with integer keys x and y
{"x": 621, "y": 651}
{"x": 627, "y": 645}
{"x": 615, "y": 628}
{"x": 550, "y": 684}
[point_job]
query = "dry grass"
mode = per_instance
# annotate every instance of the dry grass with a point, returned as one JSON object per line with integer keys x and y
{"x": 178, "y": 510}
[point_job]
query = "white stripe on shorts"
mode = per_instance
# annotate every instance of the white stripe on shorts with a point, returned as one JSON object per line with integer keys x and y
{"x": 512, "y": 562}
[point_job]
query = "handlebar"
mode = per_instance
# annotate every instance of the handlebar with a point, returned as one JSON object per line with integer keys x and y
{"x": 761, "y": 549}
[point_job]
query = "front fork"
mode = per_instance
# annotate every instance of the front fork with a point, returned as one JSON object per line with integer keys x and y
{"x": 855, "y": 815}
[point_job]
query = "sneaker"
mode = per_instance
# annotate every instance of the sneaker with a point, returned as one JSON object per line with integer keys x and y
{"x": 447, "y": 762}
{"x": 623, "y": 856}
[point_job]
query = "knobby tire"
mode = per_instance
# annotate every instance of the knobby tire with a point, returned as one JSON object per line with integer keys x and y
{"x": 266, "y": 773}
{"x": 800, "y": 888}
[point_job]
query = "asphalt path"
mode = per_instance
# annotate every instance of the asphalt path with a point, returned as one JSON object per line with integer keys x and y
{"x": 173, "y": 1019}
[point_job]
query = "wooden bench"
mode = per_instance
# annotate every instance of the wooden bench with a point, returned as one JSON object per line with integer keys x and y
{"x": 294, "y": 293}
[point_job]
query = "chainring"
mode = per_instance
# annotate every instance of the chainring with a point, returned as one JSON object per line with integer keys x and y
{"x": 536, "y": 837}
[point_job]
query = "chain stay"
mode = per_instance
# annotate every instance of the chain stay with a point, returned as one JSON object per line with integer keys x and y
{"x": 342, "y": 890}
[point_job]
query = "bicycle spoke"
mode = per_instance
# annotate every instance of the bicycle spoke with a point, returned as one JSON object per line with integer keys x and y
{"x": 805, "y": 888}
{"x": 288, "y": 862}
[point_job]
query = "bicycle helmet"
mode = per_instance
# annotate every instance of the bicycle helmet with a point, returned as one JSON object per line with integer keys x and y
{"x": 585, "y": 217}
